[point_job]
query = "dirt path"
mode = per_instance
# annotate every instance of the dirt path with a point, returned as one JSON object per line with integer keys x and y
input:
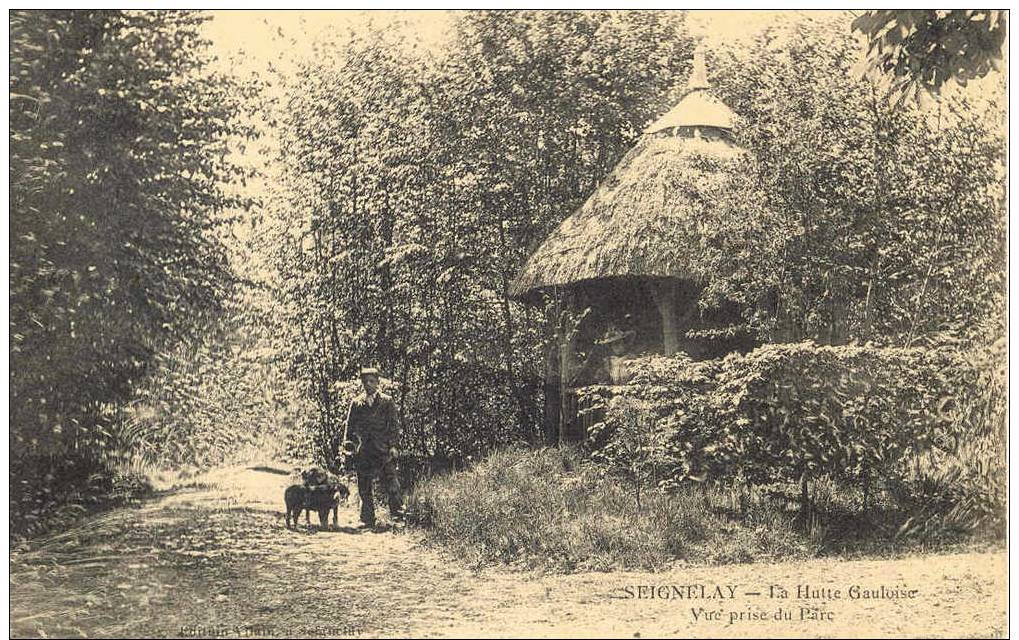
{"x": 217, "y": 560}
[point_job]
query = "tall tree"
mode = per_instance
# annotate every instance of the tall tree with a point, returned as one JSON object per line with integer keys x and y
{"x": 854, "y": 216}
{"x": 922, "y": 49}
{"x": 118, "y": 138}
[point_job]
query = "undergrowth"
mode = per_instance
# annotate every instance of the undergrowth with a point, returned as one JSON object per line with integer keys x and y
{"x": 553, "y": 510}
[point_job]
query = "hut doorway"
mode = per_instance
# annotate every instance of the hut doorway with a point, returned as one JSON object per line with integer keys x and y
{"x": 663, "y": 315}
{"x": 623, "y": 304}
{"x": 659, "y": 316}
{"x": 579, "y": 358}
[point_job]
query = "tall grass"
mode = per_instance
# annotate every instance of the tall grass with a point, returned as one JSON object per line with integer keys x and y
{"x": 962, "y": 490}
{"x": 549, "y": 509}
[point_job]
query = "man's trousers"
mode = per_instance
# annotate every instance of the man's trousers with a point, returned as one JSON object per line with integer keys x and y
{"x": 385, "y": 472}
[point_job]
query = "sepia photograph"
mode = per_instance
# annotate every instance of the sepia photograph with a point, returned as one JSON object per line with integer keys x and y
{"x": 508, "y": 323}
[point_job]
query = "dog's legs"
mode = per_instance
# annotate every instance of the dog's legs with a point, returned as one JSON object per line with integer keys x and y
{"x": 307, "y": 517}
{"x": 336, "y": 518}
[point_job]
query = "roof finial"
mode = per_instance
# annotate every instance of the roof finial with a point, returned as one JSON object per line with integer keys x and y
{"x": 699, "y": 73}
{"x": 697, "y": 107}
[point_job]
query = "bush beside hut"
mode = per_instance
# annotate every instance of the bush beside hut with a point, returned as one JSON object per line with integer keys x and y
{"x": 895, "y": 423}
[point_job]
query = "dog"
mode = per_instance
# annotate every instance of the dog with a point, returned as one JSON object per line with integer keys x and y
{"x": 320, "y": 491}
{"x": 315, "y": 476}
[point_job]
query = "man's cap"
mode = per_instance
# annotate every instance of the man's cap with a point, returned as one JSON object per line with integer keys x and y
{"x": 369, "y": 371}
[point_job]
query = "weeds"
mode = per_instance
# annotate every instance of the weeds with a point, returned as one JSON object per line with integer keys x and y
{"x": 49, "y": 493}
{"x": 551, "y": 509}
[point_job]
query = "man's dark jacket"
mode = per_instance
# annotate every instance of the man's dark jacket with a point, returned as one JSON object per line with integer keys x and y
{"x": 373, "y": 426}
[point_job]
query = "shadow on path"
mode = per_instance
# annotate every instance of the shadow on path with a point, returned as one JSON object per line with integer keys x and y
{"x": 216, "y": 559}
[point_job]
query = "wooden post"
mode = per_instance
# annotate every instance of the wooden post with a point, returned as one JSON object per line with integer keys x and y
{"x": 553, "y": 394}
{"x": 567, "y": 401}
{"x": 565, "y": 358}
{"x": 664, "y": 293}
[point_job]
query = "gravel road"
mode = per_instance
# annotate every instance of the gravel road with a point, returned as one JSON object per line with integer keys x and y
{"x": 216, "y": 560}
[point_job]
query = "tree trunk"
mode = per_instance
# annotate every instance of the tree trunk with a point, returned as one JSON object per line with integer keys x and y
{"x": 525, "y": 404}
{"x": 384, "y": 350}
{"x": 806, "y": 508}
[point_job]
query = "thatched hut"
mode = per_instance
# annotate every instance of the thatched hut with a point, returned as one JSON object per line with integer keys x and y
{"x": 625, "y": 255}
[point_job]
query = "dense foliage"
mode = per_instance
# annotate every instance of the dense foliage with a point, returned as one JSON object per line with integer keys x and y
{"x": 214, "y": 399}
{"x": 117, "y": 171}
{"x": 924, "y": 48}
{"x": 155, "y": 312}
{"x": 854, "y": 218}
{"x": 886, "y": 419}
{"x": 411, "y": 189}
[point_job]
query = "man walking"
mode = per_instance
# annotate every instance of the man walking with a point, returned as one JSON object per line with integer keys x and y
{"x": 373, "y": 430}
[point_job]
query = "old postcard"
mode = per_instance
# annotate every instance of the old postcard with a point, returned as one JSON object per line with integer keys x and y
{"x": 508, "y": 323}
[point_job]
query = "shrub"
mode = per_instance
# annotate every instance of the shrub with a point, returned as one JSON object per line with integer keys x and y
{"x": 50, "y": 492}
{"x": 963, "y": 490}
{"x": 675, "y": 395}
{"x": 860, "y": 415}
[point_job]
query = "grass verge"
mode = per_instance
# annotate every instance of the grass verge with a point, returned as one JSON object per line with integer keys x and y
{"x": 550, "y": 509}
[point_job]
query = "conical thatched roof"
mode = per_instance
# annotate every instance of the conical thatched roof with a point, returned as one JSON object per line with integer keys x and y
{"x": 642, "y": 220}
